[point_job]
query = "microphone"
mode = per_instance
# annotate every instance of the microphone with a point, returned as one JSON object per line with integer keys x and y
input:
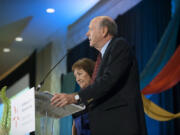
{"x": 42, "y": 82}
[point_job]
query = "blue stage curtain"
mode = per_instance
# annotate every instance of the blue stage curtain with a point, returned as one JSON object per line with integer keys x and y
{"x": 163, "y": 51}
{"x": 147, "y": 30}
{"x": 80, "y": 51}
{"x": 176, "y": 100}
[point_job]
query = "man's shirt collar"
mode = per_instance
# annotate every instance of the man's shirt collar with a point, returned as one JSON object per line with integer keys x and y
{"x": 104, "y": 48}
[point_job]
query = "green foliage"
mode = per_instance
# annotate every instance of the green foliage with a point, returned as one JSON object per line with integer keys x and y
{"x": 5, "y": 123}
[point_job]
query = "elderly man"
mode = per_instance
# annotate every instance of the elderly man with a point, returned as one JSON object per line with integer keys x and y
{"x": 113, "y": 98}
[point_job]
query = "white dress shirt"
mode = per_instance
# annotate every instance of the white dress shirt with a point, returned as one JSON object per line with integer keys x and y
{"x": 104, "y": 48}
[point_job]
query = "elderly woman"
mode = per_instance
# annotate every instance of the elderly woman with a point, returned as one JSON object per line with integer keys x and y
{"x": 83, "y": 70}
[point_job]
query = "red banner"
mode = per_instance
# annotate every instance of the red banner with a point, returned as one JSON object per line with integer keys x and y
{"x": 167, "y": 78}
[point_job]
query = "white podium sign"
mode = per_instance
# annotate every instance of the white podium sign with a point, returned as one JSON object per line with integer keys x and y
{"x": 23, "y": 113}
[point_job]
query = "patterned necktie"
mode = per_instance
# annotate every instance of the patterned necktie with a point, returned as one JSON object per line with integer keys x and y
{"x": 96, "y": 67}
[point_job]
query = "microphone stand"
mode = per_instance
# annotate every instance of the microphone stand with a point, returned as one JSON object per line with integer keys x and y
{"x": 42, "y": 82}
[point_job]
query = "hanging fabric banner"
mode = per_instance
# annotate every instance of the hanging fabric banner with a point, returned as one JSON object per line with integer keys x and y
{"x": 167, "y": 78}
{"x": 156, "y": 112}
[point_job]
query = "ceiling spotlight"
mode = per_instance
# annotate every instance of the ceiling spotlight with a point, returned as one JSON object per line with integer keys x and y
{"x": 50, "y": 10}
{"x": 6, "y": 50}
{"x": 19, "y": 39}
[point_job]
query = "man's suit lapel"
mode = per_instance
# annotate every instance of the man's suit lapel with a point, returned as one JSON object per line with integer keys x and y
{"x": 105, "y": 57}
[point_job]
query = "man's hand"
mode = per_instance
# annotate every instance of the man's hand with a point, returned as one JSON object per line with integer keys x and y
{"x": 60, "y": 100}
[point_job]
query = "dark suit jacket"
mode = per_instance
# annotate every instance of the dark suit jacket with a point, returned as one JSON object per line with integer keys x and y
{"x": 114, "y": 99}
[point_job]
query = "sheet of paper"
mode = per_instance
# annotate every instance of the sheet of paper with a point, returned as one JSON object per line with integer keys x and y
{"x": 23, "y": 112}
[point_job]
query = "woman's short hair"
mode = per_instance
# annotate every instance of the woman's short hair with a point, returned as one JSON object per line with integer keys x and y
{"x": 86, "y": 64}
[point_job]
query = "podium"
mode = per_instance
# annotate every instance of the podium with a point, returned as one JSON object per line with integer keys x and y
{"x": 49, "y": 112}
{"x": 44, "y": 107}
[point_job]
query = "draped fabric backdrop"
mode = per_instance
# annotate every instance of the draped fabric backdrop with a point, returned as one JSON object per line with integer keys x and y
{"x": 176, "y": 99}
{"x": 143, "y": 26}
